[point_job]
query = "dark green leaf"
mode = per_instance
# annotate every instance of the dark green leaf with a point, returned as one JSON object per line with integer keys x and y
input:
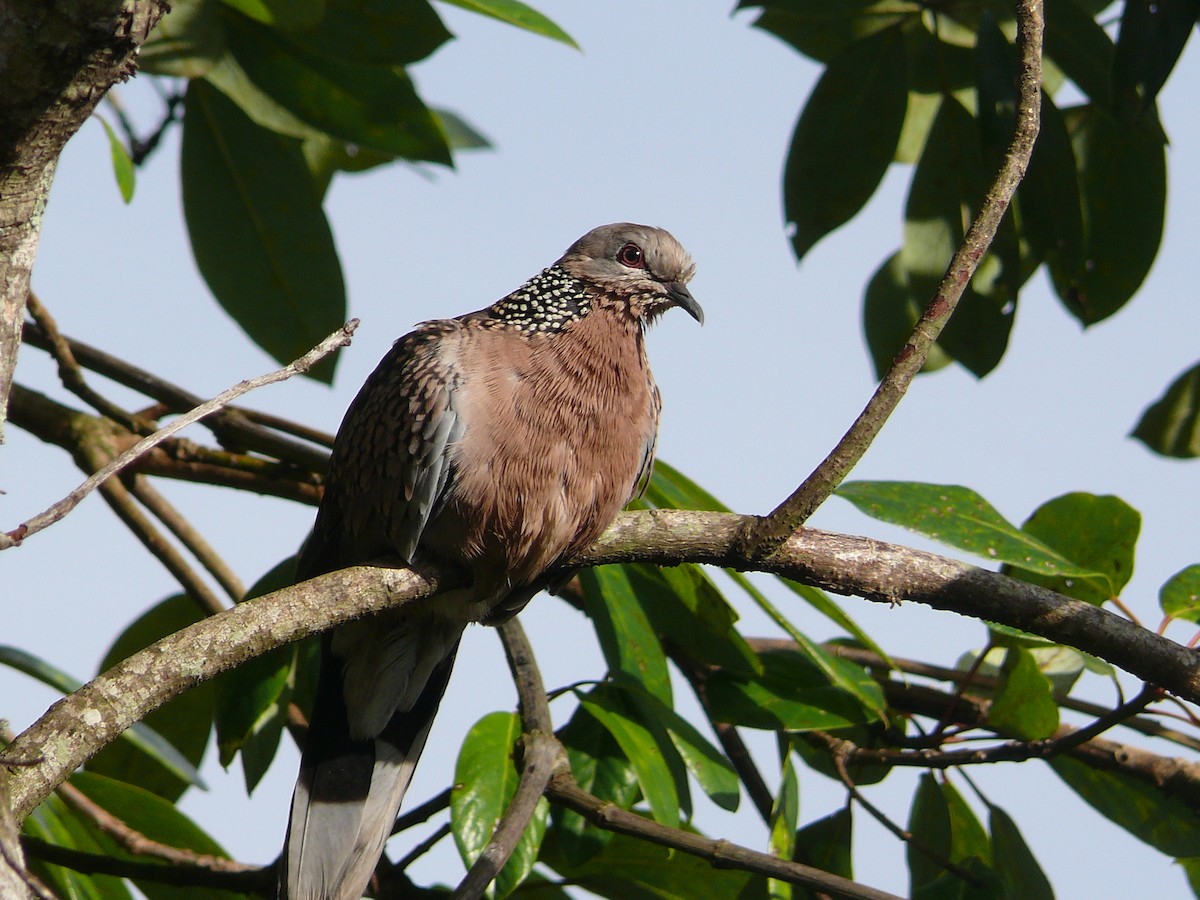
{"x": 370, "y": 106}
{"x": 671, "y": 489}
{"x": 122, "y": 165}
{"x": 1014, "y": 862}
{"x": 600, "y": 768}
{"x": 376, "y": 32}
{"x": 626, "y": 638}
{"x": 820, "y": 29}
{"x": 827, "y": 845}
{"x": 1123, "y": 187}
{"x": 684, "y": 606}
{"x": 824, "y": 604}
{"x": 1081, "y": 48}
{"x": 288, "y": 15}
{"x": 158, "y": 820}
{"x": 485, "y": 780}
{"x": 1047, "y": 202}
{"x": 1151, "y": 38}
{"x": 182, "y": 726}
{"x": 56, "y": 823}
{"x": 845, "y": 138}
{"x": 257, "y": 229}
{"x": 1163, "y": 820}
{"x": 712, "y": 771}
{"x": 947, "y": 186}
{"x": 929, "y": 821}
{"x": 326, "y": 156}
{"x": 1180, "y": 596}
{"x": 516, "y": 13}
{"x": 959, "y": 517}
{"x": 792, "y": 693}
{"x": 1024, "y": 705}
{"x": 1171, "y": 425}
{"x": 633, "y": 869}
{"x": 967, "y": 837}
{"x": 186, "y": 42}
{"x": 890, "y": 310}
{"x": 1097, "y": 533}
{"x": 648, "y": 755}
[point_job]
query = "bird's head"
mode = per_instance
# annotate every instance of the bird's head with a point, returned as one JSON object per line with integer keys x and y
{"x": 642, "y": 266}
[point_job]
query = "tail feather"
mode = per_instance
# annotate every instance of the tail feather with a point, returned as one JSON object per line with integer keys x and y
{"x": 349, "y": 791}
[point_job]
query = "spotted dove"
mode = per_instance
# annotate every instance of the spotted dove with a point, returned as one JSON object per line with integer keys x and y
{"x": 500, "y": 442}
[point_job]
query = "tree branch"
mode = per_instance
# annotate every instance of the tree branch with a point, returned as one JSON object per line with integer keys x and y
{"x": 844, "y": 564}
{"x": 339, "y": 338}
{"x": 766, "y": 534}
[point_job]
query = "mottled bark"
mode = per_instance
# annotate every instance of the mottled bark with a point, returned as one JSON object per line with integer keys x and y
{"x": 57, "y": 60}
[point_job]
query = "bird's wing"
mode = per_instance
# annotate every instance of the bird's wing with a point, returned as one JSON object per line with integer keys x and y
{"x": 381, "y": 679}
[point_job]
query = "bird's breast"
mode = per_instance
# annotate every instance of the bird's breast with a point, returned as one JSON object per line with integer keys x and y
{"x": 556, "y": 430}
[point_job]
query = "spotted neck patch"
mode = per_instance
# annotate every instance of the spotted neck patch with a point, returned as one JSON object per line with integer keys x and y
{"x": 545, "y": 304}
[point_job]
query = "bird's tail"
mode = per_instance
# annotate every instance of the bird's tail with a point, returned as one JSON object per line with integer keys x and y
{"x": 349, "y": 791}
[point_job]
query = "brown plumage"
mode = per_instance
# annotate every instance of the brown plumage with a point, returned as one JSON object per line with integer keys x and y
{"x": 502, "y": 441}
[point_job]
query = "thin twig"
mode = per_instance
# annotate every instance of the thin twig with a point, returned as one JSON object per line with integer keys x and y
{"x": 229, "y": 424}
{"x": 604, "y": 814}
{"x": 768, "y": 533}
{"x": 422, "y": 848}
{"x": 188, "y": 535}
{"x": 70, "y": 373}
{"x": 531, "y": 691}
{"x": 422, "y": 813}
{"x": 339, "y": 338}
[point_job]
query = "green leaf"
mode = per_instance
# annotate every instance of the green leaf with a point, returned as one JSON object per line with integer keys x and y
{"x": 929, "y": 820}
{"x": 369, "y": 32}
{"x": 793, "y": 693}
{"x": 167, "y": 764}
{"x": 684, "y": 606}
{"x": 186, "y": 43}
{"x": 1123, "y": 183}
{"x": 485, "y": 780}
{"x": 1150, "y": 41}
{"x": 845, "y": 138}
{"x": 1081, "y": 48}
{"x": 258, "y": 233}
{"x": 515, "y": 13}
{"x": 646, "y": 754}
{"x": 626, "y": 638}
{"x": 967, "y": 838}
{"x": 712, "y": 771}
{"x": 1024, "y": 705}
{"x": 370, "y": 106}
{"x": 288, "y": 15}
{"x": 947, "y": 186}
{"x": 1171, "y": 425}
{"x": 56, "y": 823}
{"x": 158, "y": 820}
{"x": 827, "y": 845}
{"x": 821, "y": 30}
{"x": 1013, "y": 861}
{"x": 460, "y": 134}
{"x": 671, "y": 489}
{"x": 632, "y": 869}
{"x": 600, "y": 768}
{"x": 1151, "y": 814}
{"x": 958, "y": 517}
{"x": 785, "y": 813}
{"x": 122, "y": 165}
{"x": 1098, "y": 533}
{"x": 824, "y": 604}
{"x": 1047, "y": 203}
{"x": 1180, "y": 596}
{"x": 890, "y": 311}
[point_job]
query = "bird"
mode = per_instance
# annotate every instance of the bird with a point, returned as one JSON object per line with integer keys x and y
{"x": 500, "y": 442}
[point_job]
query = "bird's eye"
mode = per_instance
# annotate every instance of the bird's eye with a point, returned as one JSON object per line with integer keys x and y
{"x": 631, "y": 255}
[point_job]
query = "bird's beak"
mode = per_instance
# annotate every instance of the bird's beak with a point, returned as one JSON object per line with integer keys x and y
{"x": 680, "y": 296}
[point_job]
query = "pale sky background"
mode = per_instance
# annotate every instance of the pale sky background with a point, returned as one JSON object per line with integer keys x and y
{"x": 676, "y": 115}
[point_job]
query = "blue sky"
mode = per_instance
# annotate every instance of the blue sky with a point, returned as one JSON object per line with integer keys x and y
{"x": 677, "y": 115}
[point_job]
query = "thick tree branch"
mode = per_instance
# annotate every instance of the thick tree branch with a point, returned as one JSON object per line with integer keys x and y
{"x": 766, "y": 534}
{"x": 844, "y": 564}
{"x": 57, "y": 59}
